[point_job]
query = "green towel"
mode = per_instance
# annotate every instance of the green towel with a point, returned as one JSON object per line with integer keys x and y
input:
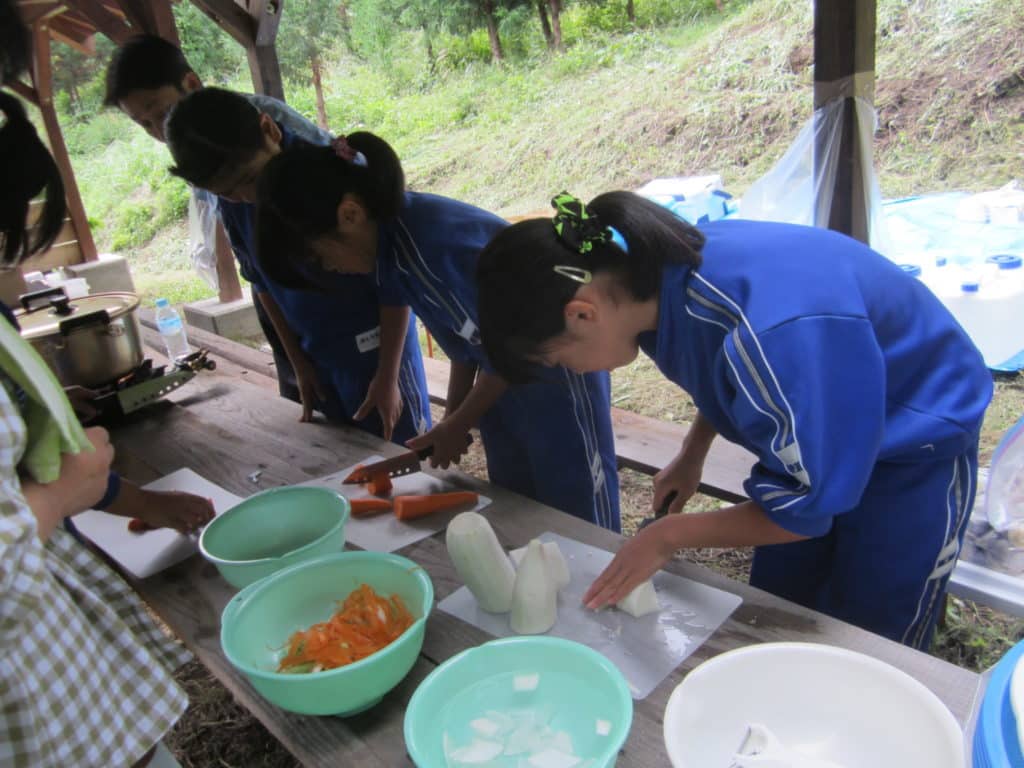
{"x": 50, "y": 421}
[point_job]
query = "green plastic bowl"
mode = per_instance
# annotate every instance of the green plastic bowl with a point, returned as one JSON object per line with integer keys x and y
{"x": 273, "y": 530}
{"x": 573, "y": 688}
{"x": 257, "y": 623}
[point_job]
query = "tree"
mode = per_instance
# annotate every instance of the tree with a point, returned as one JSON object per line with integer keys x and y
{"x": 308, "y": 27}
{"x": 545, "y": 23}
{"x": 555, "y": 9}
{"x": 210, "y": 51}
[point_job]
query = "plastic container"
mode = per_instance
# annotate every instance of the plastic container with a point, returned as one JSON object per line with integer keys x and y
{"x": 569, "y": 687}
{"x": 257, "y": 622}
{"x": 1004, "y": 493}
{"x": 996, "y": 741}
{"x": 274, "y": 529}
{"x": 172, "y": 329}
{"x": 987, "y": 300}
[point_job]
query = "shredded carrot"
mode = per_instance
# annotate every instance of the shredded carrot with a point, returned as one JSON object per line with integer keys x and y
{"x": 365, "y": 623}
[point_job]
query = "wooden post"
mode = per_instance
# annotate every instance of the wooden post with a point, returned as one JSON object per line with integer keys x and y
{"x": 42, "y": 79}
{"x": 263, "y": 64}
{"x": 844, "y": 67}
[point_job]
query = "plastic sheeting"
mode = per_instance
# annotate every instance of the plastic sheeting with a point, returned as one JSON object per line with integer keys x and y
{"x": 797, "y": 192}
{"x": 202, "y": 235}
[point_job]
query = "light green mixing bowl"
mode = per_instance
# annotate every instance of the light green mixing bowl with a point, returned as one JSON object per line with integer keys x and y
{"x": 573, "y": 689}
{"x": 257, "y": 623}
{"x": 273, "y": 530}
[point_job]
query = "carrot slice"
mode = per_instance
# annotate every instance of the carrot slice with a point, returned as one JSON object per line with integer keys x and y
{"x": 365, "y": 623}
{"x": 380, "y": 484}
{"x": 135, "y": 525}
{"x": 369, "y": 507}
{"x": 412, "y": 507}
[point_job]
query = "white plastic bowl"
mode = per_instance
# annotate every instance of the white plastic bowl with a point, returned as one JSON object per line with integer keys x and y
{"x": 828, "y": 703}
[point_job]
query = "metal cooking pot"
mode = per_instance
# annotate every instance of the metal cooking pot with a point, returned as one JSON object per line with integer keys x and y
{"x": 91, "y": 341}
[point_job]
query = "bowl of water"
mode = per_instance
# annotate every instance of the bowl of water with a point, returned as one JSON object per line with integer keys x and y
{"x": 538, "y": 701}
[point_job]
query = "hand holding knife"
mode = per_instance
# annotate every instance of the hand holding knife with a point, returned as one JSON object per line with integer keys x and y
{"x": 404, "y": 464}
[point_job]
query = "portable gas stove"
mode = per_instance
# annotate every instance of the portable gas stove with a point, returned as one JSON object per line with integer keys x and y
{"x": 147, "y": 384}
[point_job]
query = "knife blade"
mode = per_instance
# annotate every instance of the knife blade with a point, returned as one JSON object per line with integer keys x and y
{"x": 403, "y": 464}
{"x": 661, "y": 512}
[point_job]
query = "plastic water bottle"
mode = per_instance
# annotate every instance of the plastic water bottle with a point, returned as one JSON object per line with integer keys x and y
{"x": 172, "y": 329}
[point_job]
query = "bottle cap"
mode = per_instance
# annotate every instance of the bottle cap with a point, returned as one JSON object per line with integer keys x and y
{"x": 1005, "y": 261}
{"x": 162, "y": 302}
{"x": 969, "y": 287}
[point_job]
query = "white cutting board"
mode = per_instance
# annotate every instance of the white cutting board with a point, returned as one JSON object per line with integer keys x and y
{"x": 645, "y": 650}
{"x": 384, "y": 532}
{"x": 149, "y": 552}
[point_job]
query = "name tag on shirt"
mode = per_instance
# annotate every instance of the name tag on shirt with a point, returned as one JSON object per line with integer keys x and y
{"x": 469, "y": 332}
{"x": 368, "y": 341}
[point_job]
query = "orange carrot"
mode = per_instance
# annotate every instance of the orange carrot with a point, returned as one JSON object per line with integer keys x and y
{"x": 369, "y": 507}
{"x": 135, "y": 525}
{"x": 380, "y": 484}
{"x": 412, "y": 507}
{"x": 365, "y": 623}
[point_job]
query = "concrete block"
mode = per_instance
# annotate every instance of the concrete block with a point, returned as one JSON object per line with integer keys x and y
{"x": 110, "y": 273}
{"x": 234, "y": 319}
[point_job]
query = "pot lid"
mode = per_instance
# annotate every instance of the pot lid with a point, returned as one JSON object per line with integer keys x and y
{"x": 46, "y": 320}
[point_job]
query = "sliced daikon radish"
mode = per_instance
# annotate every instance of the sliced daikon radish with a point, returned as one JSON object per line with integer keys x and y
{"x": 640, "y": 601}
{"x": 535, "y": 597}
{"x": 553, "y": 758}
{"x": 481, "y": 562}
{"x": 484, "y": 727}
{"x": 477, "y": 752}
{"x": 556, "y": 562}
{"x": 603, "y": 728}
{"x": 526, "y": 682}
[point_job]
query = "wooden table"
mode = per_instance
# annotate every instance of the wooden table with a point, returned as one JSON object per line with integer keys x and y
{"x": 229, "y": 424}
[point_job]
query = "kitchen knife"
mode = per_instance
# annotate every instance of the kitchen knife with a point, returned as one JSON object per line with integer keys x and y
{"x": 662, "y": 510}
{"x": 405, "y": 464}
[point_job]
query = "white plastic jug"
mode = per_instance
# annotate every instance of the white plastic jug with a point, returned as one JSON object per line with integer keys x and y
{"x": 987, "y": 301}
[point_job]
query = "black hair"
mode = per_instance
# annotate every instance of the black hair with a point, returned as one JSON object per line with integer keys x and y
{"x": 14, "y": 42}
{"x": 299, "y": 193}
{"x": 522, "y": 299}
{"x": 212, "y": 130}
{"x": 28, "y": 170}
{"x": 144, "y": 63}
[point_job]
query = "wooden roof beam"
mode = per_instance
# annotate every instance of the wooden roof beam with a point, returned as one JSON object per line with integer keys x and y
{"x": 81, "y": 39}
{"x": 27, "y": 92}
{"x": 231, "y": 18}
{"x": 105, "y": 21}
{"x": 153, "y": 17}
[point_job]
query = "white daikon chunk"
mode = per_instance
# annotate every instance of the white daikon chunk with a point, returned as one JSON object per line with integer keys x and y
{"x": 640, "y": 601}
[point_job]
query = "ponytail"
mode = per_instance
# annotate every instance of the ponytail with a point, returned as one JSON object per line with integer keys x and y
{"x": 28, "y": 171}
{"x": 529, "y": 271}
{"x": 300, "y": 191}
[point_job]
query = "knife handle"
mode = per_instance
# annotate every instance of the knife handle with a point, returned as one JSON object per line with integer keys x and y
{"x": 426, "y": 453}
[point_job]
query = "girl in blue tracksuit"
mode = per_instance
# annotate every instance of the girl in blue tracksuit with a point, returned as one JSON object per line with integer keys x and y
{"x": 860, "y": 395}
{"x": 347, "y": 211}
{"x": 366, "y": 358}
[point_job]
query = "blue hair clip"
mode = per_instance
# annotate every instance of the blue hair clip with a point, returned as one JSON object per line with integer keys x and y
{"x": 618, "y": 239}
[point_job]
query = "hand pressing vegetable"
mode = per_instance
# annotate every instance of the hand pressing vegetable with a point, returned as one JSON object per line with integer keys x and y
{"x": 413, "y": 507}
{"x": 369, "y": 507}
